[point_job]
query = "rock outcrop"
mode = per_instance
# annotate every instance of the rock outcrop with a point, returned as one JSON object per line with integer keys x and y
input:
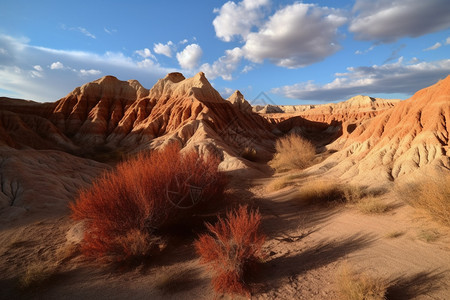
{"x": 411, "y": 136}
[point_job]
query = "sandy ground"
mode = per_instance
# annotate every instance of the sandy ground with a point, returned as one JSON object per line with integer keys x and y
{"x": 306, "y": 246}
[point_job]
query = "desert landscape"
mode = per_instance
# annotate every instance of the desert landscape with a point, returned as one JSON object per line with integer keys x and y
{"x": 349, "y": 197}
{"x": 238, "y": 149}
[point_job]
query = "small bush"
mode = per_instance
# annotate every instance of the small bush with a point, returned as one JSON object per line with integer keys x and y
{"x": 429, "y": 235}
{"x": 125, "y": 208}
{"x": 394, "y": 234}
{"x": 231, "y": 248}
{"x": 372, "y": 205}
{"x": 278, "y": 184}
{"x": 292, "y": 152}
{"x": 321, "y": 192}
{"x": 430, "y": 195}
{"x": 354, "y": 286}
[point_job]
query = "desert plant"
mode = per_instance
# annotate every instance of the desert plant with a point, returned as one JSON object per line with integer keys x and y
{"x": 394, "y": 234}
{"x": 231, "y": 248}
{"x": 321, "y": 192}
{"x": 356, "y": 286}
{"x": 431, "y": 195}
{"x": 278, "y": 184}
{"x": 372, "y": 205}
{"x": 292, "y": 152}
{"x": 124, "y": 208}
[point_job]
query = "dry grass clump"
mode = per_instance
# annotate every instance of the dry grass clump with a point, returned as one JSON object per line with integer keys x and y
{"x": 372, "y": 205}
{"x": 36, "y": 275}
{"x": 125, "y": 208}
{"x": 356, "y": 286}
{"x": 321, "y": 192}
{"x": 292, "y": 152}
{"x": 326, "y": 192}
{"x": 278, "y": 184}
{"x": 431, "y": 195}
{"x": 231, "y": 248}
{"x": 429, "y": 235}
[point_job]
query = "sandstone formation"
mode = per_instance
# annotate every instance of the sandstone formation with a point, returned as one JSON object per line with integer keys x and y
{"x": 411, "y": 136}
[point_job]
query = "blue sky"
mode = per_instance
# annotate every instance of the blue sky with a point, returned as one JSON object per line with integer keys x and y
{"x": 296, "y": 52}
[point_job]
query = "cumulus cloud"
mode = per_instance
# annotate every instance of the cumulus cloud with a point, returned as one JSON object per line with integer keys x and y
{"x": 447, "y": 41}
{"x": 20, "y": 79}
{"x": 38, "y": 68}
{"x": 90, "y": 72}
{"x": 398, "y": 77}
{"x": 190, "y": 57}
{"x": 164, "y": 49}
{"x": 386, "y": 21}
{"x": 296, "y": 36}
{"x": 238, "y": 19}
{"x": 56, "y": 66}
{"x": 224, "y": 66}
{"x": 145, "y": 53}
{"x": 434, "y": 47}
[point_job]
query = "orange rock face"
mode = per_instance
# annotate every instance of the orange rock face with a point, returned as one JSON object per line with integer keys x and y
{"x": 401, "y": 140}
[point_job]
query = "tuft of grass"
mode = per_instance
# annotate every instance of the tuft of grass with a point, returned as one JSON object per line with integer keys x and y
{"x": 125, "y": 208}
{"x": 372, "y": 205}
{"x": 431, "y": 195}
{"x": 231, "y": 248}
{"x": 359, "y": 286}
{"x": 292, "y": 152}
{"x": 429, "y": 235}
{"x": 36, "y": 275}
{"x": 278, "y": 184}
{"x": 321, "y": 192}
{"x": 394, "y": 234}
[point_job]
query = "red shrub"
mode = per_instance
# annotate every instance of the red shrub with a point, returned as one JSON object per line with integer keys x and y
{"x": 141, "y": 196}
{"x": 232, "y": 247}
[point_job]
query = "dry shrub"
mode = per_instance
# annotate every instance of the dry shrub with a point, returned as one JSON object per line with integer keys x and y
{"x": 355, "y": 286}
{"x": 431, "y": 195}
{"x": 125, "y": 208}
{"x": 372, "y": 205}
{"x": 292, "y": 152}
{"x": 321, "y": 192}
{"x": 231, "y": 249}
{"x": 278, "y": 184}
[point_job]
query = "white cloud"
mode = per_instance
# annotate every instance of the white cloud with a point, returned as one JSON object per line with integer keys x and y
{"x": 398, "y": 77}
{"x": 296, "y": 36}
{"x": 447, "y": 41}
{"x": 86, "y": 32}
{"x": 238, "y": 19}
{"x": 183, "y": 41}
{"x": 145, "y": 53}
{"x": 190, "y": 57}
{"x": 226, "y": 92}
{"x": 17, "y": 75}
{"x": 386, "y": 21}
{"x": 434, "y": 47}
{"x": 110, "y": 31}
{"x": 224, "y": 66}
{"x": 56, "y": 66}
{"x": 247, "y": 69}
{"x": 164, "y": 49}
{"x": 90, "y": 72}
{"x": 38, "y": 68}
{"x": 359, "y": 52}
{"x": 3, "y": 51}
